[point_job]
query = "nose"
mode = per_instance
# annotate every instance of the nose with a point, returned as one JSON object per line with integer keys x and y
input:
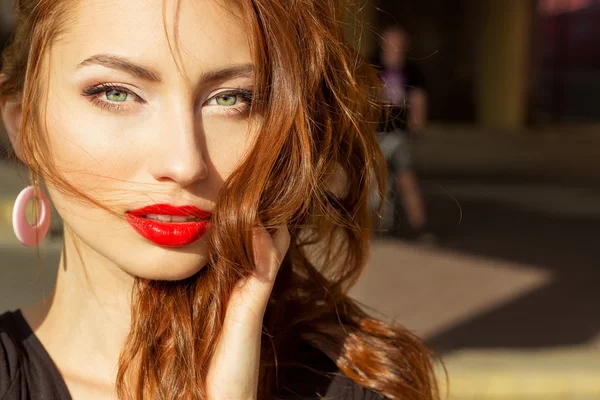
{"x": 177, "y": 155}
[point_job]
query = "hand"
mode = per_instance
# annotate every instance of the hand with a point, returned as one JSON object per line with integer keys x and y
{"x": 233, "y": 372}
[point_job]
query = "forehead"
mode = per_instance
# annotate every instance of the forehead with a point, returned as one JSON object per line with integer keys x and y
{"x": 200, "y": 33}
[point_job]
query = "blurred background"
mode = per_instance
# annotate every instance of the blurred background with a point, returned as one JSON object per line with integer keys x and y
{"x": 502, "y": 278}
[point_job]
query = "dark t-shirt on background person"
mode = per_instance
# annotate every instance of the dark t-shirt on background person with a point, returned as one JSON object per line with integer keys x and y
{"x": 28, "y": 373}
{"x": 397, "y": 85}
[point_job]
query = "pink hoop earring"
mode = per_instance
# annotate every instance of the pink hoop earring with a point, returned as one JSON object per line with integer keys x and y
{"x": 31, "y": 235}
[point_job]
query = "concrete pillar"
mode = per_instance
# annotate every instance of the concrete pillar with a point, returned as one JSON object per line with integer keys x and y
{"x": 505, "y": 37}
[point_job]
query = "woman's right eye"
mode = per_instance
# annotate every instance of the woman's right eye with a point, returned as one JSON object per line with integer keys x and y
{"x": 117, "y": 96}
{"x": 111, "y": 97}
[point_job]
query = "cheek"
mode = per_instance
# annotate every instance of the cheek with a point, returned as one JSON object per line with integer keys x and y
{"x": 228, "y": 141}
{"x": 87, "y": 147}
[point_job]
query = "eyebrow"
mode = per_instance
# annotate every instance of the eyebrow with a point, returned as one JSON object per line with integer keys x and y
{"x": 122, "y": 64}
{"x": 232, "y": 72}
{"x": 145, "y": 73}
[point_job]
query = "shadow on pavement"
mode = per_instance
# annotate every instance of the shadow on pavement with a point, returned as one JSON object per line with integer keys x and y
{"x": 564, "y": 312}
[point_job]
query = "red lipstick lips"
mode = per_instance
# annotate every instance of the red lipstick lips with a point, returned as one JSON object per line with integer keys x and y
{"x": 170, "y": 226}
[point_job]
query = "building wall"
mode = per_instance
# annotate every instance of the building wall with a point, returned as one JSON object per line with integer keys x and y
{"x": 6, "y": 21}
{"x": 567, "y": 62}
{"x": 503, "y": 58}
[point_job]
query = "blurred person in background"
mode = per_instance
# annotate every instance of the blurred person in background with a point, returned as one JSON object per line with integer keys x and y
{"x": 405, "y": 100}
{"x": 186, "y": 146}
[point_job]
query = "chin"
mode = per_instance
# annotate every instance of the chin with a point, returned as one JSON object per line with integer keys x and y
{"x": 178, "y": 273}
{"x": 167, "y": 264}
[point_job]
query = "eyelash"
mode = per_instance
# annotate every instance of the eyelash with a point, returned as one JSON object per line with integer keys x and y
{"x": 94, "y": 94}
{"x": 243, "y": 94}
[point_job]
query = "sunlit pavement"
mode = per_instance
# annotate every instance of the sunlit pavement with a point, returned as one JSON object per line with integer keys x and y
{"x": 433, "y": 290}
{"x": 509, "y": 297}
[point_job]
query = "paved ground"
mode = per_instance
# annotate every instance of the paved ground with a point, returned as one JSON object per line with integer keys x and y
{"x": 508, "y": 294}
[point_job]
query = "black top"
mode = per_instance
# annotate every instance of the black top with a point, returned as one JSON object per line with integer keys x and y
{"x": 409, "y": 77}
{"x": 26, "y": 370}
{"x": 28, "y": 373}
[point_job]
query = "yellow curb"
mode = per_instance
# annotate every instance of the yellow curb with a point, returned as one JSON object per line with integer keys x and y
{"x": 6, "y": 208}
{"x": 571, "y": 373}
{"x": 491, "y": 385}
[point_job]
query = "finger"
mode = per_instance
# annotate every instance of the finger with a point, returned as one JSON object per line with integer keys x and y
{"x": 234, "y": 370}
{"x": 249, "y": 299}
{"x": 269, "y": 251}
{"x": 281, "y": 239}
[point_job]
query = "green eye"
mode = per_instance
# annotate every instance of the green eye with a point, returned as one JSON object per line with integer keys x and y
{"x": 227, "y": 100}
{"x": 116, "y": 96}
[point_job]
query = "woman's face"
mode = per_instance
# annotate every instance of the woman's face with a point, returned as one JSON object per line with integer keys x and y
{"x": 135, "y": 121}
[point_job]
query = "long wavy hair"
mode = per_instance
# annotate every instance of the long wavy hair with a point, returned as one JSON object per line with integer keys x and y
{"x": 311, "y": 168}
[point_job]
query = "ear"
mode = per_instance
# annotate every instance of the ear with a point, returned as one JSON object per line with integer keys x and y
{"x": 11, "y": 112}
